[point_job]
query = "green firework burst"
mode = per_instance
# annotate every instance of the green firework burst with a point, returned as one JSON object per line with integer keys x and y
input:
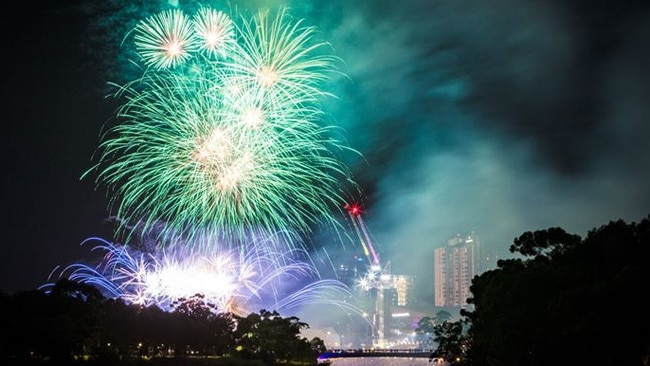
{"x": 222, "y": 131}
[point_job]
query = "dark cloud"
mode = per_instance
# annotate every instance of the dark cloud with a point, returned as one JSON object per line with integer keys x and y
{"x": 525, "y": 70}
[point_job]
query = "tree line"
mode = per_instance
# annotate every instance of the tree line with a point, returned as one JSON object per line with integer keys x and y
{"x": 75, "y": 321}
{"x": 562, "y": 300}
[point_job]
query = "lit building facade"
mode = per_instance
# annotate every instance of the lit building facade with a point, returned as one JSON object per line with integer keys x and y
{"x": 454, "y": 267}
{"x": 403, "y": 285}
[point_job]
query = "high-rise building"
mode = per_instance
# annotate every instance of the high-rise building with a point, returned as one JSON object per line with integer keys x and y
{"x": 454, "y": 267}
{"x": 403, "y": 285}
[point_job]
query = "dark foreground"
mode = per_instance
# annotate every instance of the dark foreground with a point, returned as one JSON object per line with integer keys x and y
{"x": 226, "y": 361}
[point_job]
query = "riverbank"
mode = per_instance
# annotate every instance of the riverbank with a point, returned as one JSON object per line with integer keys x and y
{"x": 194, "y": 361}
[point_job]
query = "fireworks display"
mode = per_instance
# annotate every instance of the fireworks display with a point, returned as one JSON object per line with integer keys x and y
{"x": 376, "y": 277}
{"x": 231, "y": 281}
{"x": 222, "y": 131}
{"x": 354, "y": 211}
{"x": 217, "y": 166}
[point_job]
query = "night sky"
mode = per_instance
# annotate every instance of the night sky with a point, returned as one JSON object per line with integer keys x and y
{"x": 497, "y": 117}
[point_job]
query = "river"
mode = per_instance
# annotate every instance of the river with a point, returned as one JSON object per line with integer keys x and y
{"x": 382, "y": 361}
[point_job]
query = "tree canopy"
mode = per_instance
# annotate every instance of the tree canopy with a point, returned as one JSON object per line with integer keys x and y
{"x": 74, "y": 321}
{"x": 568, "y": 301}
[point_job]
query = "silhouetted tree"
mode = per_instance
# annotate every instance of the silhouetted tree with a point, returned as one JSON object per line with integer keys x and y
{"x": 556, "y": 303}
{"x": 442, "y": 316}
{"x": 74, "y": 319}
{"x": 271, "y": 338}
{"x": 206, "y": 330}
{"x": 452, "y": 341}
{"x": 55, "y": 325}
{"x": 425, "y": 331}
{"x": 317, "y": 345}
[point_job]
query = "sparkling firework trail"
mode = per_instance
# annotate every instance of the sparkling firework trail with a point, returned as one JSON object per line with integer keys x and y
{"x": 234, "y": 281}
{"x": 354, "y": 211}
{"x": 221, "y": 132}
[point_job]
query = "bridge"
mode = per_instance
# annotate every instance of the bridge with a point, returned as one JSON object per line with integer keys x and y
{"x": 419, "y": 355}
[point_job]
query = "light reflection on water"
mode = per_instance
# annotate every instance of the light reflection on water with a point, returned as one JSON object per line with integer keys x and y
{"x": 380, "y": 361}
